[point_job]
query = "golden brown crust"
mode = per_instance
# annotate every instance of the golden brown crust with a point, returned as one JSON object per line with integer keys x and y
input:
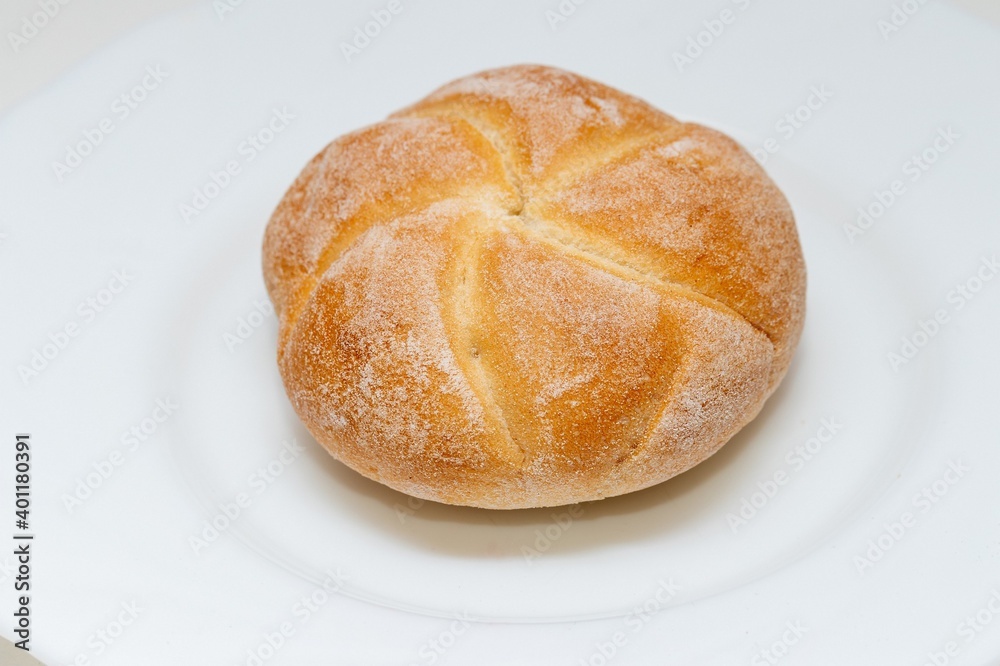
{"x": 530, "y": 289}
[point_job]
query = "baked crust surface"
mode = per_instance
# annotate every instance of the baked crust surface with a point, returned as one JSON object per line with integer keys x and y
{"x": 530, "y": 289}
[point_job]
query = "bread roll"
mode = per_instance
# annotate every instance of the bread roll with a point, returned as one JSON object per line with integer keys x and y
{"x": 530, "y": 289}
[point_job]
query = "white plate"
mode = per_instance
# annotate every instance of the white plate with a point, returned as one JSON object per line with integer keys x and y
{"x": 835, "y": 451}
{"x": 822, "y": 552}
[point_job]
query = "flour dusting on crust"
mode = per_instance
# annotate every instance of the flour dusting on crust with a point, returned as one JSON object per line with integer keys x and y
{"x": 530, "y": 289}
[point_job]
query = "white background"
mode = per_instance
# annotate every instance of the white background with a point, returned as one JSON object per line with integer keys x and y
{"x": 62, "y": 240}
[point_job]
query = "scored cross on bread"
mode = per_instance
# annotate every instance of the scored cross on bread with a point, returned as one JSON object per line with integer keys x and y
{"x": 530, "y": 289}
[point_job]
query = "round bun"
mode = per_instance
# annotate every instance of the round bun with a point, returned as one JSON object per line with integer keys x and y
{"x": 530, "y": 289}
